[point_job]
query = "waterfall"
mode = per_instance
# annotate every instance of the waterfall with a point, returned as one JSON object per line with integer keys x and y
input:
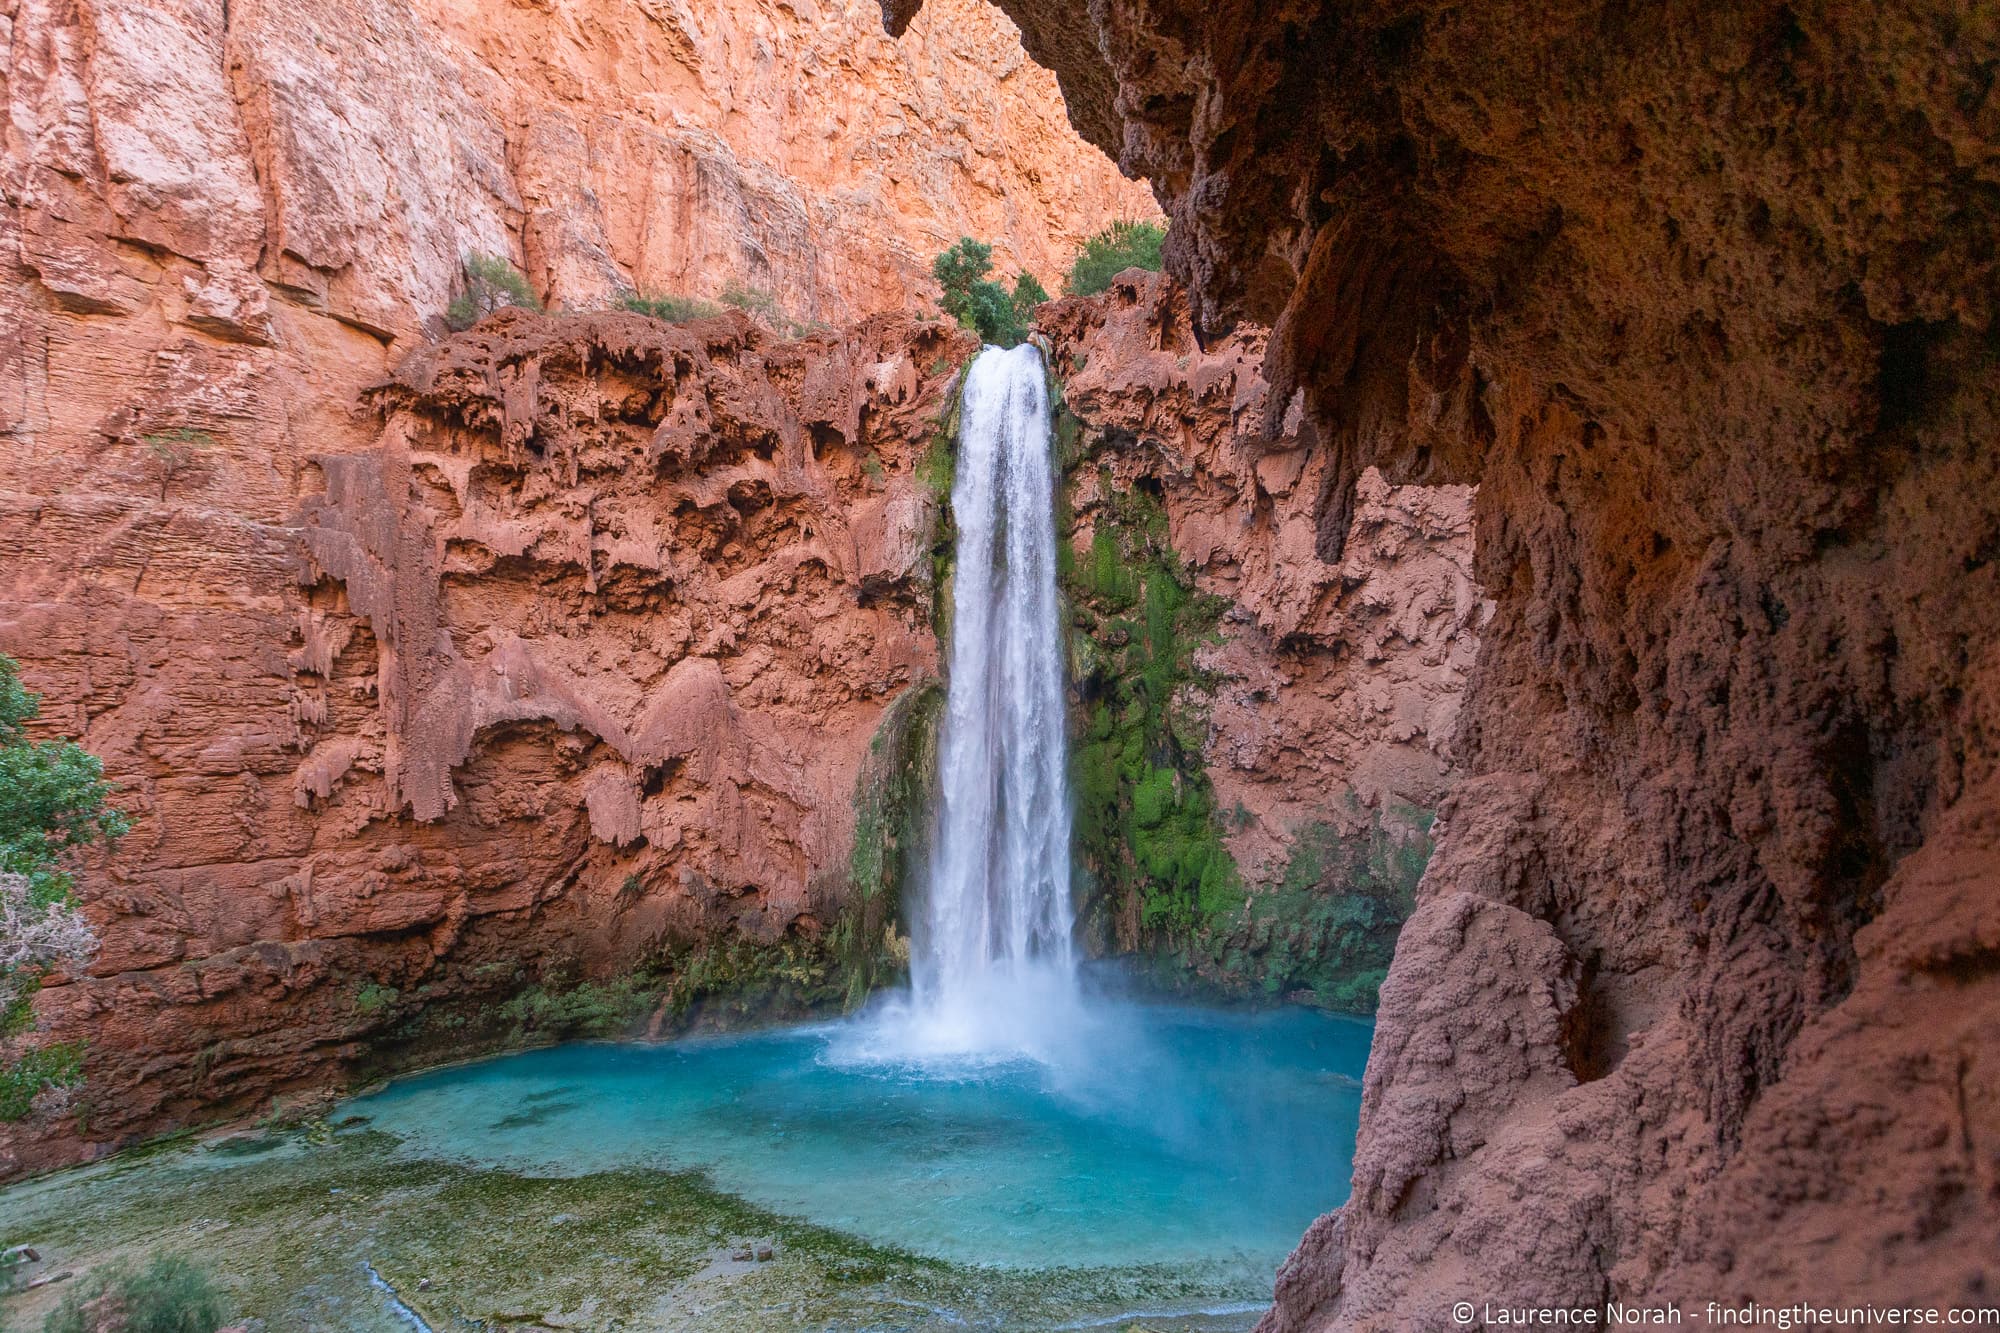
{"x": 993, "y": 971}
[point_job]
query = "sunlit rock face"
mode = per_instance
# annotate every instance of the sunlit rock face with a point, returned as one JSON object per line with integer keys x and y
{"x": 1698, "y": 1000}
{"x": 342, "y": 157}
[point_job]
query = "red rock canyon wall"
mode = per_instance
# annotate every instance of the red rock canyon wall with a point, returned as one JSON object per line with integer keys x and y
{"x": 402, "y": 681}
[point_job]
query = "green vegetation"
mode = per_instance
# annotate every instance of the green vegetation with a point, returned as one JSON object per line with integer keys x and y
{"x": 1159, "y": 878}
{"x": 980, "y": 303}
{"x": 1118, "y": 247}
{"x": 938, "y": 468}
{"x": 490, "y": 283}
{"x": 763, "y": 307}
{"x": 174, "y": 452}
{"x": 1326, "y": 932}
{"x": 1147, "y": 830}
{"x": 672, "y": 309}
{"x": 755, "y": 302}
{"x": 36, "y": 1070}
{"x": 54, "y": 803}
{"x": 168, "y": 1295}
{"x": 725, "y": 981}
{"x": 373, "y": 997}
{"x": 556, "y": 1011}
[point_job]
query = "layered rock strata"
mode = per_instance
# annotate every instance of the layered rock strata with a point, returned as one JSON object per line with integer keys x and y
{"x": 1698, "y": 1000}
{"x": 199, "y": 162}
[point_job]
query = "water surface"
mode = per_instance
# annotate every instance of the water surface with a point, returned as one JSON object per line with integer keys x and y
{"x": 1154, "y": 1166}
{"x": 1170, "y": 1135}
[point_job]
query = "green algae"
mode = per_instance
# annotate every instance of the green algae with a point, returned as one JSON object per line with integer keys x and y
{"x": 294, "y": 1225}
{"x": 1325, "y": 933}
{"x": 892, "y": 802}
{"x": 677, "y": 985}
{"x": 1158, "y": 877}
{"x": 937, "y": 470}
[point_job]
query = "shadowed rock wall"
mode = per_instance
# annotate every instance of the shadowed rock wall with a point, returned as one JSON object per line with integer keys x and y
{"x": 1316, "y": 695}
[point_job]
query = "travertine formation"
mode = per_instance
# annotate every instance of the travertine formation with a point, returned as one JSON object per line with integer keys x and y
{"x": 581, "y": 657}
{"x": 574, "y": 632}
{"x": 1699, "y": 1000}
{"x": 584, "y": 653}
{"x": 1333, "y": 676}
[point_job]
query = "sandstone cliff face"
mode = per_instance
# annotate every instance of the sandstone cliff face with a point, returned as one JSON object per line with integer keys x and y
{"x": 341, "y": 157}
{"x": 220, "y": 224}
{"x": 1335, "y": 674}
{"x": 1699, "y": 998}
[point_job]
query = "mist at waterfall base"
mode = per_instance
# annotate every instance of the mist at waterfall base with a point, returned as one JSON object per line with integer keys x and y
{"x": 992, "y": 967}
{"x": 1000, "y": 1112}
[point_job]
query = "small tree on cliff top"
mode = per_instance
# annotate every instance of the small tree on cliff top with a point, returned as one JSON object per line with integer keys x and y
{"x": 980, "y": 303}
{"x": 54, "y": 802}
{"x": 490, "y": 283}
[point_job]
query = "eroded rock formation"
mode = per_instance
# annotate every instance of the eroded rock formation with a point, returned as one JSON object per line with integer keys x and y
{"x": 582, "y": 655}
{"x": 1335, "y": 673}
{"x": 539, "y": 567}
{"x": 1316, "y": 695}
{"x": 1699, "y": 998}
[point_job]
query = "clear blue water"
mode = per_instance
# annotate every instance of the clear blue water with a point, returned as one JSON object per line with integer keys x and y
{"x": 1161, "y": 1135}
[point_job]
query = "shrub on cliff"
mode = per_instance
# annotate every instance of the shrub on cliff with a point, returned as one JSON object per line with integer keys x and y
{"x": 54, "y": 801}
{"x": 490, "y": 283}
{"x": 168, "y": 1295}
{"x": 978, "y": 301}
{"x": 671, "y": 309}
{"x": 1118, "y": 247}
{"x": 761, "y": 305}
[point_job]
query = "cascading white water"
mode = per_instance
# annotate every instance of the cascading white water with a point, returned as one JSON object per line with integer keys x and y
{"x": 993, "y": 972}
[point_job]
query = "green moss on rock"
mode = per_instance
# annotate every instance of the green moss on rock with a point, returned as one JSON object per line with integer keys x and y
{"x": 892, "y": 802}
{"x": 1325, "y": 934}
{"x": 1147, "y": 833}
{"x": 1158, "y": 877}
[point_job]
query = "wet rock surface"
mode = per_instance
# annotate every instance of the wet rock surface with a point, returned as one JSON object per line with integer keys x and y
{"x": 1310, "y": 700}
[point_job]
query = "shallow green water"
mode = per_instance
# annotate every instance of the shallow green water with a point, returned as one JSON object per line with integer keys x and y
{"x": 1158, "y": 1168}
